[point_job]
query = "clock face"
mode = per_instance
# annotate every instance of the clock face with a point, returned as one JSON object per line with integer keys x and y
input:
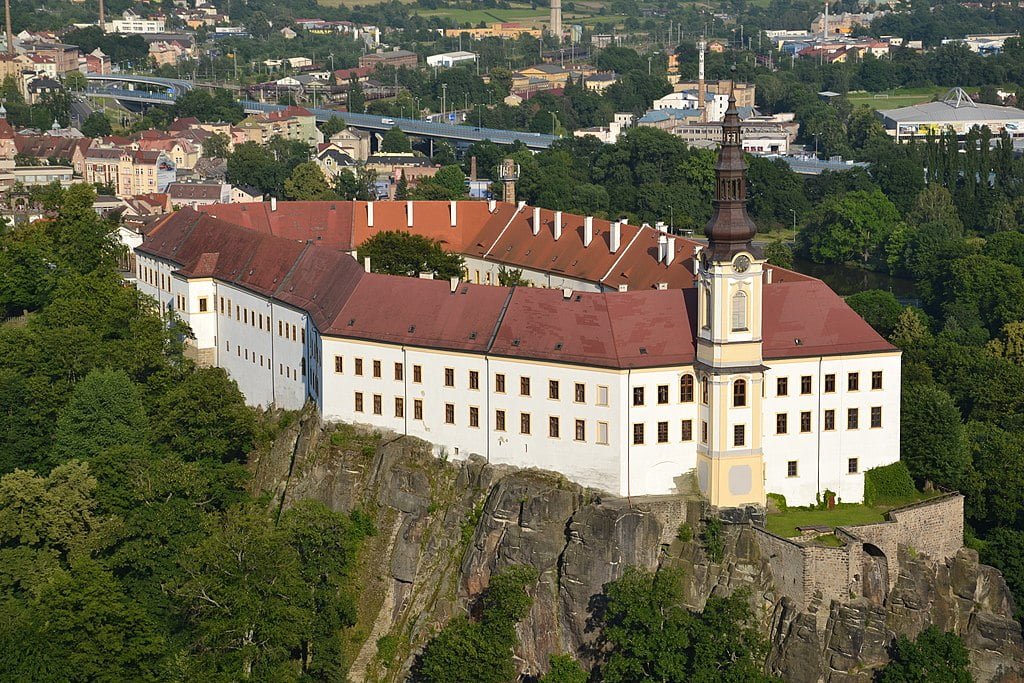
{"x": 741, "y": 264}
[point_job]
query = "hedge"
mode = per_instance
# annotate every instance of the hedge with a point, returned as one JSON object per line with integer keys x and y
{"x": 888, "y": 484}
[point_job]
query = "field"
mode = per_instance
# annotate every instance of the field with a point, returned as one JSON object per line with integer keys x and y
{"x": 894, "y": 99}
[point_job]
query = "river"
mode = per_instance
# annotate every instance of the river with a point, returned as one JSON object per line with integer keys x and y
{"x": 847, "y": 280}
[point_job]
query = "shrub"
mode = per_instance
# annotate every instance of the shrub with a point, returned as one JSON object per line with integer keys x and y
{"x": 779, "y": 501}
{"x": 685, "y": 533}
{"x": 889, "y": 483}
{"x": 712, "y": 538}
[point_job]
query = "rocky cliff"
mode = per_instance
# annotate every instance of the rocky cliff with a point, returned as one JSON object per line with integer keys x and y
{"x": 444, "y": 528}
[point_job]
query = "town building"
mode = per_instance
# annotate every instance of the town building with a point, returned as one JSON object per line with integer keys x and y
{"x": 704, "y": 359}
{"x": 65, "y": 56}
{"x": 396, "y": 58}
{"x": 957, "y": 113}
{"x": 743, "y": 92}
{"x": 844, "y": 23}
{"x": 498, "y": 30}
{"x": 449, "y": 59}
{"x": 132, "y": 23}
{"x": 983, "y": 44}
{"x": 194, "y": 195}
{"x": 290, "y": 123}
{"x": 609, "y": 134}
{"x": 354, "y": 142}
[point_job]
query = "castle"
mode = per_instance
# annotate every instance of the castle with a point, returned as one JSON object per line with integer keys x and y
{"x": 636, "y": 359}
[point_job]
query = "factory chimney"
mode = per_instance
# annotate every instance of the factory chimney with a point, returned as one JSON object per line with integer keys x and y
{"x": 556, "y": 19}
{"x": 10, "y": 31}
{"x": 701, "y": 86}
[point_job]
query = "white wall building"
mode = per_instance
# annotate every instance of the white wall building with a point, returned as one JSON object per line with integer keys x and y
{"x": 132, "y": 23}
{"x": 447, "y": 60}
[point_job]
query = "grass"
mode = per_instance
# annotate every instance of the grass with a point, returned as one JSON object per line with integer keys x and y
{"x": 844, "y": 514}
{"x": 894, "y": 99}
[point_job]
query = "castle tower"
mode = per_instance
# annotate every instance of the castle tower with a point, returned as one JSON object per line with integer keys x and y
{"x": 730, "y": 463}
{"x": 509, "y": 174}
{"x": 556, "y": 19}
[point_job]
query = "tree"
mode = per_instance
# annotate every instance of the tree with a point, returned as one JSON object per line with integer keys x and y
{"x": 204, "y": 416}
{"x": 356, "y": 98}
{"x": 402, "y": 189}
{"x": 209, "y": 106}
{"x": 402, "y": 253}
{"x": 933, "y": 441}
{"x": 511, "y": 277}
{"x": 880, "y": 309}
{"x": 76, "y": 81}
{"x": 997, "y": 459}
{"x": 96, "y": 125}
{"x": 1004, "y": 550}
{"x": 332, "y": 126}
{"x": 911, "y": 329}
{"x": 933, "y": 656}
{"x": 307, "y": 183}
{"x": 395, "y": 140}
{"x": 447, "y": 184}
{"x": 648, "y": 633}
{"x": 255, "y": 165}
{"x": 83, "y": 242}
{"x": 105, "y": 411}
{"x": 853, "y": 226}
{"x": 779, "y": 254}
{"x": 564, "y": 669}
{"x": 358, "y": 184}
{"x": 217, "y": 146}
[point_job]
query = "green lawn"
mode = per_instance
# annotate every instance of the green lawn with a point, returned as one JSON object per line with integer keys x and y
{"x": 894, "y": 99}
{"x": 489, "y": 16}
{"x": 844, "y": 514}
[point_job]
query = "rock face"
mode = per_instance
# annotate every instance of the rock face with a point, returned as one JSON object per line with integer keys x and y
{"x": 444, "y": 528}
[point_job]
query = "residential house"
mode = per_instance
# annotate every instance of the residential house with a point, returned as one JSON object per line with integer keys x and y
{"x": 332, "y": 160}
{"x": 194, "y": 195}
{"x": 353, "y": 142}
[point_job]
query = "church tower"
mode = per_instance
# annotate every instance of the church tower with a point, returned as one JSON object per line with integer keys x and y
{"x": 730, "y": 463}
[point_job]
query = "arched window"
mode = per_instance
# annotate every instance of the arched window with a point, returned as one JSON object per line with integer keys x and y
{"x": 704, "y": 390}
{"x": 686, "y": 389}
{"x": 707, "y": 307}
{"x": 739, "y": 311}
{"x": 739, "y": 393}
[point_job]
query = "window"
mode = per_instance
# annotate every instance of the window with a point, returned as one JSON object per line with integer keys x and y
{"x": 687, "y": 432}
{"x": 499, "y": 384}
{"x": 662, "y": 394}
{"x": 739, "y": 393}
{"x": 417, "y": 409}
{"x": 474, "y": 416}
{"x": 739, "y": 311}
{"x": 474, "y": 380}
{"x": 499, "y": 420}
{"x": 417, "y": 374}
{"x": 376, "y": 369}
{"x": 805, "y": 385}
{"x": 876, "y": 380}
{"x": 339, "y": 364}
{"x": 853, "y": 381}
{"x": 399, "y": 406}
{"x": 449, "y": 377}
{"x": 791, "y": 468}
{"x": 852, "y": 466}
{"x": 581, "y": 430}
{"x": 707, "y": 309}
{"x": 524, "y": 386}
{"x": 359, "y": 401}
{"x": 781, "y": 423}
{"x": 602, "y": 433}
{"x": 580, "y": 393}
{"x": 449, "y": 413}
{"x": 739, "y": 435}
{"x": 703, "y": 431}
{"x": 830, "y": 384}
{"x": 377, "y": 405}
{"x": 638, "y": 434}
{"x": 852, "y": 418}
{"x": 602, "y": 395}
{"x": 202, "y": 305}
{"x": 359, "y": 367}
{"x": 663, "y": 432}
{"x": 524, "y": 423}
{"x": 830, "y": 420}
{"x": 782, "y": 386}
{"x": 704, "y": 390}
{"x": 876, "y": 417}
{"x": 638, "y": 396}
{"x": 399, "y": 372}
{"x": 553, "y": 427}
{"x": 805, "y": 421}
{"x": 553, "y": 389}
{"x": 686, "y": 389}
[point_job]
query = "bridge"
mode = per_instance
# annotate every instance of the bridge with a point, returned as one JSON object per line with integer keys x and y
{"x": 149, "y": 90}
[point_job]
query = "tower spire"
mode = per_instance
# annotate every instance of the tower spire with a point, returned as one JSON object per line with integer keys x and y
{"x": 730, "y": 229}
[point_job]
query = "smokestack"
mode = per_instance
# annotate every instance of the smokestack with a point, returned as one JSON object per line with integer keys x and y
{"x": 670, "y": 252}
{"x": 588, "y": 230}
{"x": 824, "y": 26}
{"x": 615, "y": 238}
{"x": 454, "y": 213}
{"x": 369, "y": 214}
{"x": 558, "y": 225}
{"x": 472, "y": 167}
{"x": 10, "y": 31}
{"x": 536, "y": 221}
{"x": 408, "y": 213}
{"x": 556, "y": 19}
{"x": 701, "y": 86}
{"x": 103, "y": 19}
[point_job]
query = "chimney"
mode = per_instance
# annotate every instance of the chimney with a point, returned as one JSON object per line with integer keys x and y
{"x": 701, "y": 88}
{"x": 768, "y": 275}
{"x": 472, "y": 167}
{"x": 454, "y": 283}
{"x": 670, "y": 252}
{"x": 454, "y": 213}
{"x": 661, "y": 285}
{"x": 615, "y": 237}
{"x": 520, "y": 206}
{"x": 426, "y": 275}
{"x": 566, "y": 292}
{"x": 369, "y": 214}
{"x": 662, "y": 248}
{"x": 366, "y": 264}
{"x": 491, "y": 205}
{"x": 558, "y": 225}
{"x": 273, "y": 203}
{"x": 536, "y": 221}
{"x": 588, "y": 230}
{"x": 408, "y": 213}
{"x": 623, "y": 288}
